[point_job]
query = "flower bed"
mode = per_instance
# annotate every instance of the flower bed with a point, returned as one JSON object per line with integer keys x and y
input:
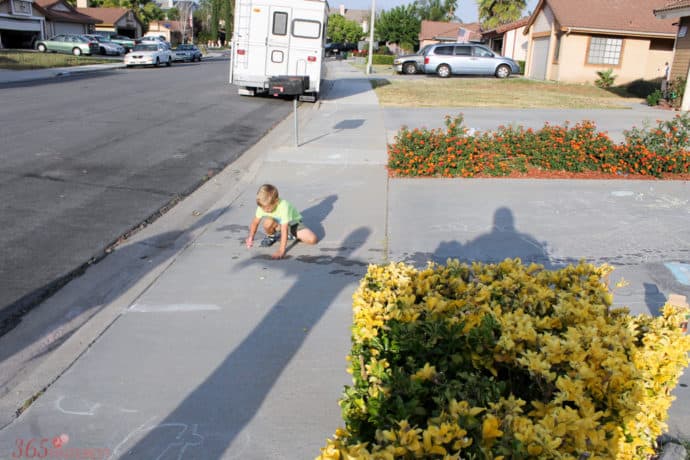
{"x": 663, "y": 151}
{"x": 504, "y": 361}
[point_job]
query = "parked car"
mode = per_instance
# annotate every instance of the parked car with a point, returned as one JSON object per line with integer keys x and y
{"x": 446, "y": 59}
{"x": 149, "y": 54}
{"x": 187, "y": 52}
{"x": 76, "y": 44}
{"x": 126, "y": 42}
{"x": 334, "y": 49}
{"x": 154, "y": 39}
{"x": 106, "y": 46}
{"x": 410, "y": 63}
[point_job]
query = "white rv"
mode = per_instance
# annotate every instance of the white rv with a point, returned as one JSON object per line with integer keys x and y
{"x": 278, "y": 47}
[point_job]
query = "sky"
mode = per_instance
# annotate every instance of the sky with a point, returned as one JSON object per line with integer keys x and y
{"x": 467, "y": 9}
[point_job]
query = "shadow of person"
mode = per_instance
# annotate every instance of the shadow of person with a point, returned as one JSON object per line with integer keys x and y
{"x": 313, "y": 216}
{"x": 229, "y": 398}
{"x": 654, "y": 299}
{"x": 505, "y": 241}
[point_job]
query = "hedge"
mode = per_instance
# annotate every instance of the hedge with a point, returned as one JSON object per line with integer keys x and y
{"x": 504, "y": 361}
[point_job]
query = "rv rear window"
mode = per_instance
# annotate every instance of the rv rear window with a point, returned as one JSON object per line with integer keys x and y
{"x": 280, "y": 20}
{"x": 306, "y": 29}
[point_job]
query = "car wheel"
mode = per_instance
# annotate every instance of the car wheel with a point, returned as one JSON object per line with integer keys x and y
{"x": 76, "y": 51}
{"x": 503, "y": 71}
{"x": 167, "y": 64}
{"x": 443, "y": 71}
{"x": 409, "y": 68}
{"x": 158, "y": 62}
{"x": 102, "y": 50}
{"x": 42, "y": 48}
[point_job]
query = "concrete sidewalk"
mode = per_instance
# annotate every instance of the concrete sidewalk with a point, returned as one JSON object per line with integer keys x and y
{"x": 221, "y": 352}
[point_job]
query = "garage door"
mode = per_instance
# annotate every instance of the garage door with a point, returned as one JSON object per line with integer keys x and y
{"x": 68, "y": 28}
{"x": 14, "y": 24}
{"x": 540, "y": 55}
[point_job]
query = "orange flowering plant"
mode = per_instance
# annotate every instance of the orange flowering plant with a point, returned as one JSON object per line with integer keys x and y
{"x": 453, "y": 152}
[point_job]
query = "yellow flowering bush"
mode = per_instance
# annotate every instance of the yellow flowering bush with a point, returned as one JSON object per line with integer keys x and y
{"x": 504, "y": 361}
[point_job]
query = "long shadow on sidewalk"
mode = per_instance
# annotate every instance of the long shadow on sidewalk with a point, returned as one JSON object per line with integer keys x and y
{"x": 226, "y": 401}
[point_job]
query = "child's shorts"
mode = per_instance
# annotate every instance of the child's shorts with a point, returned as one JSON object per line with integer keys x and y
{"x": 294, "y": 228}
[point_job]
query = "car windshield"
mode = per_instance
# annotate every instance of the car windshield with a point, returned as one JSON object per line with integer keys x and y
{"x": 422, "y": 51}
{"x": 146, "y": 48}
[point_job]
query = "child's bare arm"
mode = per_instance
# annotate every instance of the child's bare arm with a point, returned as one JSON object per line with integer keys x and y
{"x": 252, "y": 231}
{"x": 284, "y": 229}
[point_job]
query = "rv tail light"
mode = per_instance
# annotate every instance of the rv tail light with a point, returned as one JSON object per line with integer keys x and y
{"x": 311, "y": 59}
{"x": 240, "y": 52}
{"x": 426, "y": 59}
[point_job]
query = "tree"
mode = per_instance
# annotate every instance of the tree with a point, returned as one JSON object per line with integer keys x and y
{"x": 436, "y": 10}
{"x": 399, "y": 25}
{"x": 173, "y": 14}
{"x": 343, "y": 30}
{"x": 493, "y": 13}
{"x": 150, "y": 12}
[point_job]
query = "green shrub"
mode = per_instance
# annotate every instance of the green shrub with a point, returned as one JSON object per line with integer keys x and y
{"x": 606, "y": 78}
{"x": 676, "y": 90}
{"x": 522, "y": 67}
{"x": 382, "y": 59}
{"x": 489, "y": 361}
{"x": 654, "y": 98}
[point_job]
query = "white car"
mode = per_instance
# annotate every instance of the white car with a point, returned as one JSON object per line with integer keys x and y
{"x": 153, "y": 54}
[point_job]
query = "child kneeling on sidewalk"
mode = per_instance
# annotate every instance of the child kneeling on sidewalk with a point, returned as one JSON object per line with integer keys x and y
{"x": 282, "y": 221}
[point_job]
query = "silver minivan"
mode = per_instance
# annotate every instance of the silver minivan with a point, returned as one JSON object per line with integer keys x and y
{"x": 446, "y": 59}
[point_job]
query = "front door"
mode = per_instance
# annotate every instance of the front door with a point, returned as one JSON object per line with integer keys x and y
{"x": 278, "y": 41}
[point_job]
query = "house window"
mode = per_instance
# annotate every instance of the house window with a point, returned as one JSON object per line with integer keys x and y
{"x": 280, "y": 20}
{"x": 306, "y": 29}
{"x": 603, "y": 50}
{"x": 21, "y": 7}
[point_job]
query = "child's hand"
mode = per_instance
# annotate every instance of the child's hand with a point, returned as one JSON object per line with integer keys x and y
{"x": 278, "y": 255}
{"x": 249, "y": 241}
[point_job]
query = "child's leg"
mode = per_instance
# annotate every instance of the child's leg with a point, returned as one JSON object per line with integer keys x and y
{"x": 270, "y": 226}
{"x": 305, "y": 235}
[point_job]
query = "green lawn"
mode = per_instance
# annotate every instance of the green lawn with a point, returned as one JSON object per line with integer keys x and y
{"x": 29, "y": 60}
{"x": 516, "y": 92}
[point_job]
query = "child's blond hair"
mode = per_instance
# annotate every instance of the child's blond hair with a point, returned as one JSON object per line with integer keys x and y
{"x": 267, "y": 195}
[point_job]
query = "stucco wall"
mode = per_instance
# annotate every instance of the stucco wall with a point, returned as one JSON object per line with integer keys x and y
{"x": 543, "y": 21}
{"x": 637, "y": 61}
{"x": 515, "y": 44}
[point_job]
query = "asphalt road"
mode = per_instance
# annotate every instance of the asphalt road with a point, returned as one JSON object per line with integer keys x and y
{"x": 85, "y": 159}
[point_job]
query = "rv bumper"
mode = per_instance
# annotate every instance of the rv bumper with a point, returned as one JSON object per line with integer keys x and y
{"x": 288, "y": 85}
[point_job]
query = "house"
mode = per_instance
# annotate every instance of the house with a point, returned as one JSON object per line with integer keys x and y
{"x": 569, "y": 41}
{"x": 171, "y": 30}
{"x": 508, "y": 39}
{"x": 114, "y": 21}
{"x": 22, "y": 22}
{"x": 432, "y": 32}
{"x": 680, "y": 65}
{"x": 361, "y": 17}
{"x": 63, "y": 18}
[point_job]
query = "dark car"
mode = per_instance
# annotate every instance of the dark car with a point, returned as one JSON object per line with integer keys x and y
{"x": 187, "y": 52}
{"x": 334, "y": 49}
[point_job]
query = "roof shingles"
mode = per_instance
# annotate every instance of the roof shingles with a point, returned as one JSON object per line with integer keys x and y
{"x": 611, "y": 15}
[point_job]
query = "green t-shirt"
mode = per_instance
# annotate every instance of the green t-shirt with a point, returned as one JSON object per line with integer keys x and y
{"x": 285, "y": 212}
